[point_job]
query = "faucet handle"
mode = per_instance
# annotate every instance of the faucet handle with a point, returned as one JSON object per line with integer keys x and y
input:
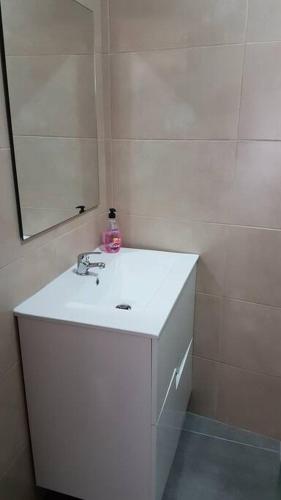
{"x": 83, "y": 262}
{"x": 86, "y": 255}
{"x": 100, "y": 265}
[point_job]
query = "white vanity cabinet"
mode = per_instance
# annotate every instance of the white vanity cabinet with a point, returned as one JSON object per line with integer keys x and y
{"x": 172, "y": 382}
{"x": 106, "y": 406}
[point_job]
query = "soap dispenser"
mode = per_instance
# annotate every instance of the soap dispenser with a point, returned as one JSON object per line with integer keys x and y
{"x": 112, "y": 236}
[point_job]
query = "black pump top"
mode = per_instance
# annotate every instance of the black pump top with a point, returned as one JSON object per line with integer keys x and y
{"x": 112, "y": 213}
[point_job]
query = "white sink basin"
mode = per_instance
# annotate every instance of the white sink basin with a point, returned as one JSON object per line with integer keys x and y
{"x": 107, "y": 389}
{"x": 148, "y": 281}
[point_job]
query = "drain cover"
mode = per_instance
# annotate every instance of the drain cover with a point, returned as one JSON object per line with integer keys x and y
{"x": 125, "y": 307}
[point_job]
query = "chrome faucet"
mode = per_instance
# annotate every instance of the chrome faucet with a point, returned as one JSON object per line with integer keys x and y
{"x": 84, "y": 264}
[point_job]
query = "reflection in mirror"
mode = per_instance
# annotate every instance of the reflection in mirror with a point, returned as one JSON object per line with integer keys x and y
{"x": 49, "y": 52}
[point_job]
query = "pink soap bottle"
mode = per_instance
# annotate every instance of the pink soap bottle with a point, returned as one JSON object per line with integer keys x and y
{"x": 112, "y": 236}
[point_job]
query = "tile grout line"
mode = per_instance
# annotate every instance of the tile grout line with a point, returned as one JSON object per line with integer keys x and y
{"x": 223, "y": 363}
{"x": 240, "y": 443}
{"x": 170, "y": 139}
{"x": 111, "y": 168}
{"x": 167, "y": 218}
{"x": 113, "y": 53}
{"x": 171, "y": 49}
{"x": 243, "y": 70}
{"x": 211, "y": 419}
{"x": 108, "y": 27}
{"x": 236, "y": 299}
{"x": 220, "y": 340}
{"x": 50, "y": 54}
{"x": 59, "y": 137}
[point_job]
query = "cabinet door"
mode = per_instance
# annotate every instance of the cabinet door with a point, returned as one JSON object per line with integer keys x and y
{"x": 169, "y": 349}
{"x": 89, "y": 405}
{"x": 171, "y": 418}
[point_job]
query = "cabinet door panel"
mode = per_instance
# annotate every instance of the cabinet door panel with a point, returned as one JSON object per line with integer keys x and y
{"x": 89, "y": 405}
{"x": 169, "y": 350}
{"x": 171, "y": 419}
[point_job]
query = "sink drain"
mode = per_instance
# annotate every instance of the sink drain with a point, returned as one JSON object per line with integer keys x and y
{"x": 124, "y": 307}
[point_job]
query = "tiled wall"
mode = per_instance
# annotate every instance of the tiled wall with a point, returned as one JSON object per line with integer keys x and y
{"x": 196, "y": 162}
{"x": 25, "y": 268}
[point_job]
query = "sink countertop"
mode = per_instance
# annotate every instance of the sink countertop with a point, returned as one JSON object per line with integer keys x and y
{"x": 148, "y": 281}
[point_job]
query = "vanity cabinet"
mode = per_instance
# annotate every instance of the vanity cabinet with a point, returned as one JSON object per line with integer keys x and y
{"x": 106, "y": 407}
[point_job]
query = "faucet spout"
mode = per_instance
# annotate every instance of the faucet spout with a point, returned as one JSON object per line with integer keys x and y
{"x": 84, "y": 264}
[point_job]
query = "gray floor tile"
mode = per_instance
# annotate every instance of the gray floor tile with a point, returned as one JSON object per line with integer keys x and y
{"x": 216, "y": 461}
{"x": 212, "y": 427}
{"x": 207, "y": 468}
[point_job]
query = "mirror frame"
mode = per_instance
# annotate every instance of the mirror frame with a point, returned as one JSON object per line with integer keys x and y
{"x": 9, "y": 123}
{"x": 11, "y": 136}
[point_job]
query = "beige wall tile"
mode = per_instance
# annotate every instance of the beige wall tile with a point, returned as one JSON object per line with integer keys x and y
{"x": 47, "y": 27}
{"x": 86, "y": 3}
{"x": 9, "y": 232}
{"x": 204, "y": 390}
{"x": 41, "y": 103}
{"x": 155, "y": 233}
{"x": 4, "y": 139}
{"x": 101, "y": 22}
{"x": 25, "y": 276}
{"x": 9, "y": 341}
{"x": 253, "y": 269}
{"x": 102, "y": 25}
{"x": 88, "y": 185}
{"x": 103, "y": 96}
{"x": 249, "y": 400}
{"x": 264, "y": 21}
{"x": 178, "y": 94}
{"x": 208, "y": 240}
{"x": 256, "y": 195}
{"x": 18, "y": 483}
{"x": 154, "y": 24}
{"x": 104, "y": 176}
{"x": 108, "y": 175}
{"x": 261, "y": 93}
{"x": 13, "y": 428}
{"x": 251, "y": 337}
{"x": 68, "y": 246}
{"x": 36, "y": 220}
{"x": 57, "y": 173}
{"x": 207, "y": 326}
{"x": 186, "y": 179}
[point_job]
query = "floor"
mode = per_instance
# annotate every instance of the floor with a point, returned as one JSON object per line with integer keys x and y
{"x": 215, "y": 461}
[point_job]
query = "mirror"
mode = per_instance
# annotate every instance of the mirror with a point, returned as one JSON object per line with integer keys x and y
{"x": 49, "y": 79}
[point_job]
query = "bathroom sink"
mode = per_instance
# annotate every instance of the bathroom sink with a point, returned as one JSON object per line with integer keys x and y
{"x": 107, "y": 361}
{"x": 135, "y": 292}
